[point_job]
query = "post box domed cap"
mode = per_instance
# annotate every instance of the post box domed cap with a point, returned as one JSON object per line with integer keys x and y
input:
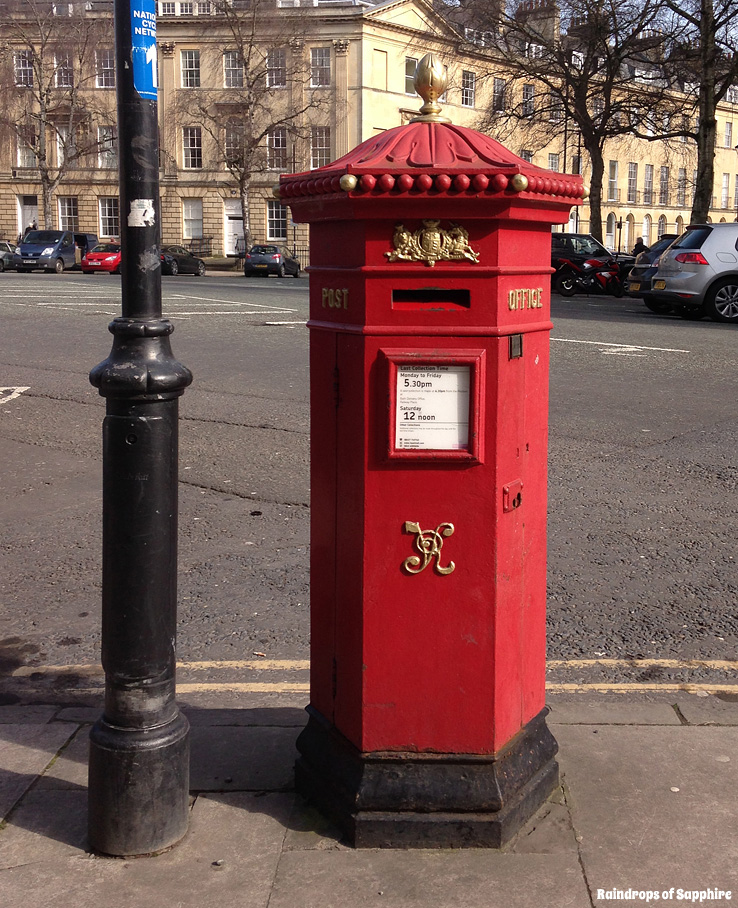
{"x": 430, "y": 155}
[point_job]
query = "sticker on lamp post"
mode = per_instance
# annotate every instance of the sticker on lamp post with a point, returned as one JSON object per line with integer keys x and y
{"x": 143, "y": 48}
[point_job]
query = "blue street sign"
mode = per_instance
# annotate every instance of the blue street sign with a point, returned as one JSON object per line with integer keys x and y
{"x": 143, "y": 48}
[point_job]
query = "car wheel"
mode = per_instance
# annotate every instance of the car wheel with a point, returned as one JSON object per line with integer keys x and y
{"x": 200, "y": 269}
{"x": 2, "y": 265}
{"x": 280, "y": 271}
{"x": 22, "y": 270}
{"x": 297, "y": 272}
{"x": 691, "y": 313}
{"x": 722, "y": 301}
{"x": 660, "y": 308}
{"x": 565, "y": 284}
{"x": 174, "y": 268}
{"x": 59, "y": 266}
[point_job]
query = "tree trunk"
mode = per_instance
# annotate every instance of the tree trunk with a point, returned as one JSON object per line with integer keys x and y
{"x": 595, "y": 190}
{"x": 706, "y": 133}
{"x": 246, "y": 212}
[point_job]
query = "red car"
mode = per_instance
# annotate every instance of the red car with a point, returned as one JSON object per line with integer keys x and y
{"x": 103, "y": 257}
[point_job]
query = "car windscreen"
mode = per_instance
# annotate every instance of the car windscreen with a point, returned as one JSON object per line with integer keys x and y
{"x": 693, "y": 239}
{"x": 106, "y": 247}
{"x": 42, "y": 236}
{"x": 264, "y": 250}
{"x": 587, "y": 245}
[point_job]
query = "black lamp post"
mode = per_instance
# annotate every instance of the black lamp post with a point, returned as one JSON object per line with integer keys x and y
{"x": 139, "y": 749}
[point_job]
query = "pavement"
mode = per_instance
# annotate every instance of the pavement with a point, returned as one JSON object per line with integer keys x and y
{"x": 647, "y": 804}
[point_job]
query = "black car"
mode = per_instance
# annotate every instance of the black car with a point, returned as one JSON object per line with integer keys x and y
{"x": 265, "y": 258}
{"x": 178, "y": 260}
{"x": 578, "y": 248}
{"x": 646, "y": 264}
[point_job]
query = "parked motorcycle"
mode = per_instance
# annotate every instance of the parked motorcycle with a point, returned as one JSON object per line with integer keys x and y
{"x": 591, "y": 276}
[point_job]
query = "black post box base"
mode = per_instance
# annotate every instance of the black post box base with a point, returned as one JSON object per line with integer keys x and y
{"x": 424, "y": 800}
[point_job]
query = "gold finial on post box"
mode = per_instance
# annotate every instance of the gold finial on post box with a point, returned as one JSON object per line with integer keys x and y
{"x": 430, "y": 83}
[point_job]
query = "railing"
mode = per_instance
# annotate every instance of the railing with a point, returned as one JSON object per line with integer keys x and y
{"x": 202, "y": 245}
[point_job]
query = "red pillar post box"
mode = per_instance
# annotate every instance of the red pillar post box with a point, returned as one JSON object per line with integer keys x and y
{"x": 429, "y": 317}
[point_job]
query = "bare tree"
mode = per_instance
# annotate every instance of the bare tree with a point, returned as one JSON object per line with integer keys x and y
{"x": 705, "y": 59}
{"x": 588, "y": 68}
{"x": 48, "y": 66}
{"x": 261, "y": 94}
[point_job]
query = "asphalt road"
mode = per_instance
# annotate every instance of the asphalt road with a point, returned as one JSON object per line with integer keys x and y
{"x": 642, "y": 503}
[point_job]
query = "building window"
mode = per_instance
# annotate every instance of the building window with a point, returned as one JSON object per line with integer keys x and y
{"x": 410, "y": 64}
{"x": 186, "y": 8}
{"x": 468, "y": 88}
{"x": 66, "y": 146}
{"x": 204, "y": 9}
{"x": 277, "y": 148}
{"x": 664, "y": 186}
{"x": 68, "y": 213}
{"x": 612, "y": 182}
{"x": 553, "y": 161}
{"x": 728, "y": 135}
{"x": 661, "y": 229}
{"x": 192, "y": 147}
{"x": 529, "y": 106}
{"x": 107, "y": 143}
{"x": 63, "y": 71}
{"x": 320, "y": 66}
{"x": 576, "y": 164}
{"x": 735, "y": 193}
{"x": 192, "y": 219}
{"x": 555, "y": 108}
{"x": 168, "y": 8}
{"x": 277, "y": 68}
{"x": 23, "y": 68}
{"x": 632, "y": 181}
{"x": 27, "y": 141}
{"x": 109, "y": 216}
{"x": 725, "y": 192}
{"x": 232, "y": 69}
{"x": 498, "y": 94}
{"x": 527, "y": 155}
{"x": 320, "y": 146}
{"x": 276, "y": 221}
{"x": 190, "y": 68}
{"x": 681, "y": 189}
{"x": 105, "y": 68}
{"x": 648, "y": 187}
{"x": 234, "y": 142}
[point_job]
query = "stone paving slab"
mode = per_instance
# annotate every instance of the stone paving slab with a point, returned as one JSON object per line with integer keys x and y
{"x": 25, "y": 751}
{"x": 710, "y": 711}
{"x": 247, "y": 758}
{"x": 653, "y": 807}
{"x": 474, "y": 878}
{"x": 27, "y": 714}
{"x": 611, "y": 712}
{"x": 228, "y": 859}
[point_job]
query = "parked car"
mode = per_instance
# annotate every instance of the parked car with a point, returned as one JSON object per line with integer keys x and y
{"x": 103, "y": 257}
{"x": 52, "y": 250}
{"x": 698, "y": 273}
{"x": 6, "y": 255}
{"x": 268, "y": 259}
{"x": 570, "y": 252}
{"x": 178, "y": 260}
{"x": 638, "y": 283}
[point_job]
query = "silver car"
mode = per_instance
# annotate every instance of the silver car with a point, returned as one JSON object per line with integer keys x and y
{"x": 698, "y": 273}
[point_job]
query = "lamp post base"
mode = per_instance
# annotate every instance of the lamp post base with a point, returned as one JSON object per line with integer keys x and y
{"x": 426, "y": 800}
{"x": 139, "y": 787}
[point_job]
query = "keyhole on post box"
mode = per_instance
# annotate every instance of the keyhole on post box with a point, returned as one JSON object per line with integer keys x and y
{"x": 512, "y": 495}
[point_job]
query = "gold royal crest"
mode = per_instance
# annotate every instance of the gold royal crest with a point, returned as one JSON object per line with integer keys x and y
{"x": 431, "y": 244}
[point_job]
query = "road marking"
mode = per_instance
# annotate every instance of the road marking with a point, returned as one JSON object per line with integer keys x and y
{"x": 10, "y": 393}
{"x": 731, "y": 665}
{"x": 626, "y": 687}
{"x": 626, "y": 347}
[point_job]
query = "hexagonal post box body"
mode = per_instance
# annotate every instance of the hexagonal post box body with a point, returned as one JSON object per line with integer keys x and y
{"x": 429, "y": 335}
